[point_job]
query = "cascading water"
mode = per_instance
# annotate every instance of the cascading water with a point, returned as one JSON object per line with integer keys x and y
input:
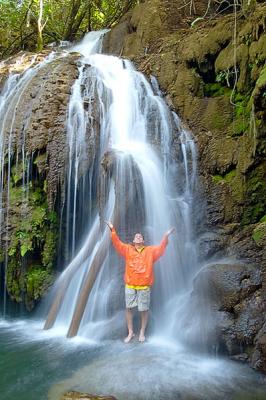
{"x": 135, "y": 124}
{"x": 131, "y": 162}
{"x": 10, "y": 100}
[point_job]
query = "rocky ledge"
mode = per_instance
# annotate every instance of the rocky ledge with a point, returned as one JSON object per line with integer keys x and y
{"x": 84, "y": 396}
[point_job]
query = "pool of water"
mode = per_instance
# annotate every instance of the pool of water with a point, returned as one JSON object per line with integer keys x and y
{"x": 37, "y": 364}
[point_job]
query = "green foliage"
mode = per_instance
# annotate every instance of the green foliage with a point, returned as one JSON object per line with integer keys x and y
{"x": 2, "y": 255}
{"x": 17, "y": 172}
{"x": 229, "y": 177}
{"x": 263, "y": 219}
{"x": 223, "y": 77}
{"x": 33, "y": 242}
{"x": 15, "y": 280}
{"x": 259, "y": 234}
{"x": 241, "y": 121}
{"x": 215, "y": 90}
{"x": 225, "y": 178}
{"x": 255, "y": 196}
{"x": 61, "y": 20}
{"x": 37, "y": 282}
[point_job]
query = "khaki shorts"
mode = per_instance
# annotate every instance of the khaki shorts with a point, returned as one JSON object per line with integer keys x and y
{"x": 138, "y": 298}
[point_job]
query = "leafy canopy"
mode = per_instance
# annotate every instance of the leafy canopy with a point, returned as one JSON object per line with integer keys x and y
{"x": 61, "y": 20}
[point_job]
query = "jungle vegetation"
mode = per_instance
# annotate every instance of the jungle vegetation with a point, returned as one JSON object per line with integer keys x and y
{"x": 31, "y": 24}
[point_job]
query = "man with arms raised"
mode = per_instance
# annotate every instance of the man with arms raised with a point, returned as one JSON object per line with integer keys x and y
{"x": 138, "y": 276}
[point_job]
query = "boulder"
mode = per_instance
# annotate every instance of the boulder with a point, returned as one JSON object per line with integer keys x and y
{"x": 225, "y": 285}
{"x": 71, "y": 395}
{"x": 258, "y": 359}
{"x": 231, "y": 296}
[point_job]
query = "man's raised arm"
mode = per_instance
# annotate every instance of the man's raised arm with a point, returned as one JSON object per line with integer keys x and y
{"x": 158, "y": 251}
{"x": 120, "y": 247}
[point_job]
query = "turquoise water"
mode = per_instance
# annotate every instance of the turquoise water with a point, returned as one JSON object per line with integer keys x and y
{"x": 36, "y": 365}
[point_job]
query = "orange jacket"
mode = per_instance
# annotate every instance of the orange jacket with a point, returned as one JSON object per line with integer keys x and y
{"x": 139, "y": 265}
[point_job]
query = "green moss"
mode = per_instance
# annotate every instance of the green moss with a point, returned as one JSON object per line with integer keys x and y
{"x": 37, "y": 196}
{"x": 234, "y": 182}
{"x": 15, "y": 279}
{"x": 224, "y": 178}
{"x": 37, "y": 281}
{"x": 215, "y": 90}
{"x": 217, "y": 121}
{"x": 259, "y": 234}
{"x": 240, "y": 126}
{"x": 261, "y": 82}
{"x": 217, "y": 178}
{"x": 17, "y": 173}
{"x": 15, "y": 196}
{"x": 241, "y": 118}
{"x": 49, "y": 248}
{"x": 230, "y": 175}
{"x": 40, "y": 162}
{"x": 33, "y": 242}
{"x": 255, "y": 195}
{"x": 263, "y": 219}
{"x": 2, "y": 255}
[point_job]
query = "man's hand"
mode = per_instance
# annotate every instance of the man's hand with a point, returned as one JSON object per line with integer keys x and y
{"x": 168, "y": 233}
{"x": 109, "y": 224}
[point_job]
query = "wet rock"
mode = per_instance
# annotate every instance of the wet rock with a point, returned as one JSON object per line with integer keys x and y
{"x": 243, "y": 357}
{"x": 258, "y": 360}
{"x": 259, "y": 234}
{"x": 210, "y": 244}
{"x": 225, "y": 285}
{"x": 232, "y": 297}
{"x": 40, "y": 114}
{"x": 84, "y": 396}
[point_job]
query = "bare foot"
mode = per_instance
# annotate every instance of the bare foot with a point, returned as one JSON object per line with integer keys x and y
{"x": 141, "y": 337}
{"x": 129, "y": 337}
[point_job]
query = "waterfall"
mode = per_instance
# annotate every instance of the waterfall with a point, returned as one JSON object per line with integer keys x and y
{"x": 10, "y": 100}
{"x": 122, "y": 150}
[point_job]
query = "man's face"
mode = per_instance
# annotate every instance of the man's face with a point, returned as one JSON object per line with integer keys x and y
{"x": 138, "y": 239}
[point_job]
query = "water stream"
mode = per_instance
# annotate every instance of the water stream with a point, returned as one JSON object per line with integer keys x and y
{"x": 130, "y": 151}
{"x": 137, "y": 129}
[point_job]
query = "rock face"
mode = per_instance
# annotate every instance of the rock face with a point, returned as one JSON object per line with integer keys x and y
{"x": 218, "y": 89}
{"x": 234, "y": 294}
{"x": 84, "y": 396}
{"x": 40, "y": 113}
{"x": 35, "y": 120}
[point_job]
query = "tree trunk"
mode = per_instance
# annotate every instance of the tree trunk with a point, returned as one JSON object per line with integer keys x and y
{"x": 40, "y": 27}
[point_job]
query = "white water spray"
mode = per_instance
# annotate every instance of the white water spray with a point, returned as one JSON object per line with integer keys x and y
{"x": 134, "y": 123}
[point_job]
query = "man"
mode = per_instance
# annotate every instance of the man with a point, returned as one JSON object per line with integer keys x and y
{"x": 138, "y": 276}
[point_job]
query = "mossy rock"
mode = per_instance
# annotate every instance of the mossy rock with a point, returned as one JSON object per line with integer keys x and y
{"x": 37, "y": 282}
{"x": 216, "y": 90}
{"x": 259, "y": 234}
{"x": 15, "y": 280}
{"x": 32, "y": 242}
{"x": 225, "y": 178}
{"x": 234, "y": 181}
{"x": 257, "y": 54}
{"x": 217, "y": 114}
{"x": 255, "y": 195}
{"x": 41, "y": 162}
{"x": 17, "y": 172}
{"x": 263, "y": 219}
{"x": 49, "y": 248}
{"x": 258, "y": 103}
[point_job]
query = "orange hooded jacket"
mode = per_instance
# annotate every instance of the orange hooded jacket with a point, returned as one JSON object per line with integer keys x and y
{"x": 139, "y": 265}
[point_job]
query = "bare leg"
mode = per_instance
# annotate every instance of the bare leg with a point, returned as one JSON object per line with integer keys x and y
{"x": 144, "y": 320}
{"x": 129, "y": 318}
